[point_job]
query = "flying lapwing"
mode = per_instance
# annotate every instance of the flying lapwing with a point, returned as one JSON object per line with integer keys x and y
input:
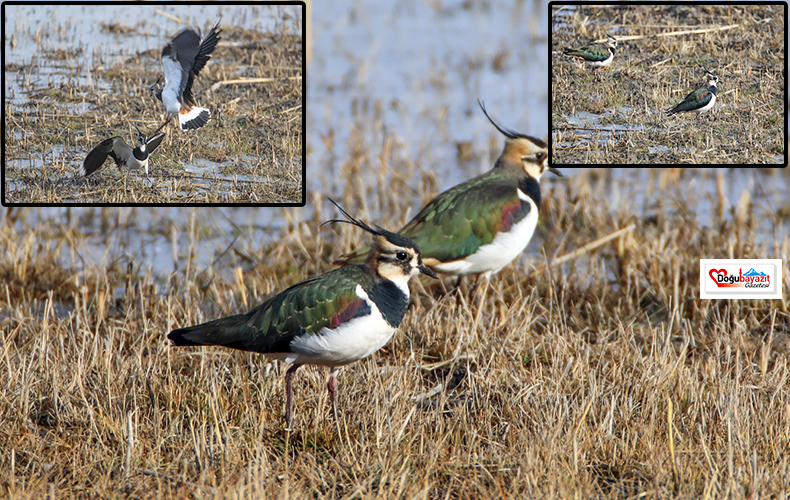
{"x": 182, "y": 59}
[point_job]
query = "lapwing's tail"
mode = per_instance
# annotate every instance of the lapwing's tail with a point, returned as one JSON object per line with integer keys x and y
{"x": 225, "y": 331}
{"x": 193, "y": 118}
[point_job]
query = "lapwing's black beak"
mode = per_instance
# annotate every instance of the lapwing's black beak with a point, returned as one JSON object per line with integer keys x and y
{"x": 427, "y": 270}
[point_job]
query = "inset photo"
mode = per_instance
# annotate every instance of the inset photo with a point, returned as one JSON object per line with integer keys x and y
{"x": 145, "y": 104}
{"x": 668, "y": 84}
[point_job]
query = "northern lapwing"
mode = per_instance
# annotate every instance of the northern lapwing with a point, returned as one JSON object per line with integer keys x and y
{"x": 479, "y": 226}
{"x": 700, "y": 100}
{"x": 125, "y": 157}
{"x": 596, "y": 54}
{"x": 331, "y": 320}
{"x": 182, "y": 59}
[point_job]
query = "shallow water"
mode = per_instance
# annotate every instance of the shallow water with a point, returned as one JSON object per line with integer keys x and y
{"x": 427, "y": 64}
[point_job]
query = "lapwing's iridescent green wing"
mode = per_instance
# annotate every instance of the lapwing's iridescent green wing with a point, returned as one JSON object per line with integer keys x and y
{"x": 695, "y": 100}
{"x": 594, "y": 52}
{"x": 457, "y": 222}
{"x": 326, "y": 301}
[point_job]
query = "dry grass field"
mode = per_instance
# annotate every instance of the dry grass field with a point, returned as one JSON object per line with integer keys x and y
{"x": 603, "y": 376}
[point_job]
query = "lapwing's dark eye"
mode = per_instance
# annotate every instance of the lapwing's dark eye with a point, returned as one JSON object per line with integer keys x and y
{"x": 540, "y": 157}
{"x": 401, "y": 255}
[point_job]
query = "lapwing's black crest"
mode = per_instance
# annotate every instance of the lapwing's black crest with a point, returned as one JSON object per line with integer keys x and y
{"x": 510, "y": 133}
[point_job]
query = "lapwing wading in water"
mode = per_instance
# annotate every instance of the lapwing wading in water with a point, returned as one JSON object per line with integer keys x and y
{"x": 182, "y": 60}
{"x": 331, "y": 320}
{"x": 125, "y": 157}
{"x": 479, "y": 226}
{"x": 596, "y": 54}
{"x": 701, "y": 100}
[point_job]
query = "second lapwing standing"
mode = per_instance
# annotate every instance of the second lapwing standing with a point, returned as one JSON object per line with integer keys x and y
{"x": 126, "y": 157}
{"x": 479, "y": 226}
{"x": 701, "y": 100}
{"x": 596, "y": 54}
{"x": 331, "y": 320}
{"x": 182, "y": 59}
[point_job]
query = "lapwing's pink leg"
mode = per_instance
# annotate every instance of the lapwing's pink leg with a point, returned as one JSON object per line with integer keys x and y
{"x": 289, "y": 395}
{"x": 331, "y": 385}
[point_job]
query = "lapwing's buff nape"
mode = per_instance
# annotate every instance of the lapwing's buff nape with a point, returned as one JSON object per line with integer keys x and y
{"x": 701, "y": 100}
{"x": 182, "y": 59}
{"x": 596, "y": 54}
{"x": 479, "y": 226}
{"x": 125, "y": 157}
{"x": 331, "y": 320}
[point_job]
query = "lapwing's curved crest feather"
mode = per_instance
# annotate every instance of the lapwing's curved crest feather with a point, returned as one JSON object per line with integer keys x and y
{"x": 351, "y": 221}
{"x": 509, "y": 133}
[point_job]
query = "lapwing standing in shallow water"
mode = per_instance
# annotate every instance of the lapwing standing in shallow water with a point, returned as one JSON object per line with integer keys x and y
{"x": 125, "y": 157}
{"x": 182, "y": 60}
{"x": 332, "y": 320}
{"x": 596, "y": 54}
{"x": 700, "y": 100}
{"x": 479, "y": 226}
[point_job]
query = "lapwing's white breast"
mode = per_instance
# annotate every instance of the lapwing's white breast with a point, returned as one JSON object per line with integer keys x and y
{"x": 349, "y": 342}
{"x": 505, "y": 247}
{"x": 135, "y": 164}
{"x": 602, "y": 64}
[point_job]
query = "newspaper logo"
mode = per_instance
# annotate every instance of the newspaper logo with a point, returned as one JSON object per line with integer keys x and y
{"x": 740, "y": 278}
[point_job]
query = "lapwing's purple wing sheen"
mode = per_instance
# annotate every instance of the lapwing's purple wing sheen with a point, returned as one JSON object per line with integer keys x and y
{"x": 326, "y": 301}
{"x": 594, "y": 52}
{"x": 695, "y": 100}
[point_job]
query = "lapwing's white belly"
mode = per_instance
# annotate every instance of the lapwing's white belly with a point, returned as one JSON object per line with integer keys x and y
{"x": 349, "y": 342}
{"x": 602, "y": 64}
{"x": 134, "y": 164}
{"x": 173, "y": 75}
{"x": 707, "y": 106}
{"x": 504, "y": 248}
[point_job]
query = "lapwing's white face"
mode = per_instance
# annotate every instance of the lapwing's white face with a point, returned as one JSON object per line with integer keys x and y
{"x": 712, "y": 80}
{"x": 396, "y": 262}
{"x": 534, "y": 157}
{"x": 611, "y": 42}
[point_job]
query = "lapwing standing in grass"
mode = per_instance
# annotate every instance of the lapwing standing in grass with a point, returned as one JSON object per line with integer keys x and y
{"x": 125, "y": 157}
{"x": 596, "y": 54}
{"x": 332, "y": 320}
{"x": 182, "y": 60}
{"x": 700, "y": 100}
{"x": 479, "y": 226}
